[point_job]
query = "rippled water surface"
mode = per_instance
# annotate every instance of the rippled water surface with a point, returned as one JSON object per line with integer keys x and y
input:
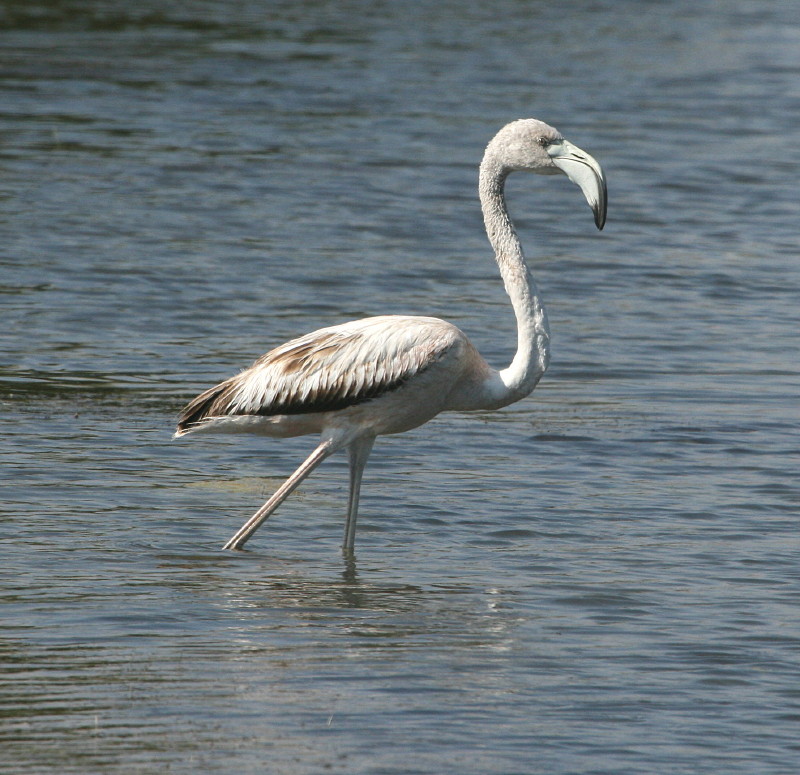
{"x": 602, "y": 578}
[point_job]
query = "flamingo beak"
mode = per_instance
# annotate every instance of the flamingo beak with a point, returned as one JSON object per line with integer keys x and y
{"x": 585, "y": 172}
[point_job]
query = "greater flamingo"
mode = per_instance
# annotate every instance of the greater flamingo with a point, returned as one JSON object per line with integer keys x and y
{"x": 352, "y": 382}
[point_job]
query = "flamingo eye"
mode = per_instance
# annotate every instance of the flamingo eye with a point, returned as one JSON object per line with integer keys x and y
{"x": 543, "y": 141}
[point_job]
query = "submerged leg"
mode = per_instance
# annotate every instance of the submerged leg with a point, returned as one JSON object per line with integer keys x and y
{"x": 325, "y": 449}
{"x": 358, "y": 452}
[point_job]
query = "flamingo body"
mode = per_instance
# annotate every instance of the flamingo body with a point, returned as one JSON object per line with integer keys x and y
{"x": 388, "y": 374}
{"x": 381, "y": 375}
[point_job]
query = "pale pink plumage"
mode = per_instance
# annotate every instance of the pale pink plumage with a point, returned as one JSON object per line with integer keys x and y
{"x": 330, "y": 373}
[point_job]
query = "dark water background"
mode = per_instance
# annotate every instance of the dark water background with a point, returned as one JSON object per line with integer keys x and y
{"x": 604, "y": 578}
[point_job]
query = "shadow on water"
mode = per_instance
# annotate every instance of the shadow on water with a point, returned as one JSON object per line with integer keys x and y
{"x": 294, "y": 597}
{"x": 298, "y": 582}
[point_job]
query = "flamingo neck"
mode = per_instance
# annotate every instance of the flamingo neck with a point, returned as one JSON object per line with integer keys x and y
{"x": 533, "y": 332}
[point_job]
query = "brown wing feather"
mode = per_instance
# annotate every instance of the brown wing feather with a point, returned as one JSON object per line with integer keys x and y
{"x": 205, "y": 406}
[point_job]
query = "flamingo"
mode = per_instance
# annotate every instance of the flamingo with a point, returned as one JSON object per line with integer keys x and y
{"x": 355, "y": 381}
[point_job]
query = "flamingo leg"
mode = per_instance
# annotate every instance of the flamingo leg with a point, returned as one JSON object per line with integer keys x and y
{"x": 325, "y": 449}
{"x": 358, "y": 453}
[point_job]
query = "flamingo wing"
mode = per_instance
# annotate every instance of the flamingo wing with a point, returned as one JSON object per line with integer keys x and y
{"x": 328, "y": 370}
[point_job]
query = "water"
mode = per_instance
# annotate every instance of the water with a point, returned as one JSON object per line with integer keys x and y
{"x": 600, "y": 579}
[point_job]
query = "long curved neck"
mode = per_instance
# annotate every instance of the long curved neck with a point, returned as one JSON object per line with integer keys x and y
{"x": 533, "y": 332}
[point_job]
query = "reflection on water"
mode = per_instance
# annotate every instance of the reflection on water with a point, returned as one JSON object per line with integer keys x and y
{"x": 599, "y": 579}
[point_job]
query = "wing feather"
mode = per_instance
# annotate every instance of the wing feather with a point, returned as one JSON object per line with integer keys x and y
{"x": 328, "y": 370}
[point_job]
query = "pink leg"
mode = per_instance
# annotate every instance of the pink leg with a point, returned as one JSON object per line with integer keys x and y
{"x": 279, "y": 496}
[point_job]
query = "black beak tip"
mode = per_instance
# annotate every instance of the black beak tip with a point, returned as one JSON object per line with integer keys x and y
{"x": 601, "y": 207}
{"x": 600, "y": 217}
